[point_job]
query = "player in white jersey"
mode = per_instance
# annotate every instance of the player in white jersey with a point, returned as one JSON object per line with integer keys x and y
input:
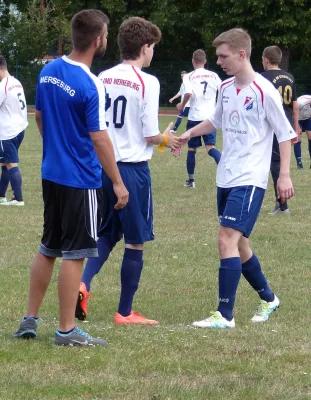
{"x": 13, "y": 122}
{"x": 132, "y": 119}
{"x": 304, "y": 105}
{"x": 201, "y": 86}
{"x": 248, "y": 110}
{"x": 185, "y": 111}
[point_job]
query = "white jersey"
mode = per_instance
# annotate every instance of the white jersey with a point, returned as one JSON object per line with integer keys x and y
{"x": 304, "y": 104}
{"x": 248, "y": 119}
{"x": 132, "y": 107}
{"x": 13, "y": 109}
{"x": 182, "y": 92}
{"x": 203, "y": 86}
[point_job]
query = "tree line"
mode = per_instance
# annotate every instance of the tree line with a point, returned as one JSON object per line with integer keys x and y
{"x": 30, "y": 29}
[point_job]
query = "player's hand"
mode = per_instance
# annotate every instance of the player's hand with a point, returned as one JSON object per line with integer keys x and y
{"x": 171, "y": 100}
{"x": 179, "y": 107}
{"x": 122, "y": 195}
{"x": 177, "y": 152}
{"x": 285, "y": 189}
{"x": 173, "y": 141}
{"x": 185, "y": 137}
{"x": 298, "y": 133}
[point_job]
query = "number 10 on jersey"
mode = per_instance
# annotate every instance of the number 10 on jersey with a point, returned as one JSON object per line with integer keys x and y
{"x": 118, "y": 110}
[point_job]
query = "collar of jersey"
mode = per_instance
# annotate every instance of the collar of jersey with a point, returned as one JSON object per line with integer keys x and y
{"x": 78, "y": 64}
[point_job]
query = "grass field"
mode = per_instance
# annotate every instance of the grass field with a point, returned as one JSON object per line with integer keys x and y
{"x": 179, "y": 285}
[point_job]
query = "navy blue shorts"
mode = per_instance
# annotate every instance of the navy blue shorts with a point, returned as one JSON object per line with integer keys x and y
{"x": 305, "y": 124}
{"x": 238, "y": 207}
{"x": 135, "y": 220}
{"x": 184, "y": 112}
{"x": 9, "y": 149}
{"x": 209, "y": 139}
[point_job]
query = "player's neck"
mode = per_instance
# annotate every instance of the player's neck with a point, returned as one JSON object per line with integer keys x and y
{"x": 139, "y": 63}
{"x": 245, "y": 76}
{"x": 83, "y": 58}
{"x": 4, "y": 74}
{"x": 273, "y": 67}
{"x": 199, "y": 66}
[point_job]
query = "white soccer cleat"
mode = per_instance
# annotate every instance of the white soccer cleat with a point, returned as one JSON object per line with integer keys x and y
{"x": 265, "y": 309}
{"x": 190, "y": 184}
{"x": 215, "y": 321}
{"x": 172, "y": 131}
{"x": 13, "y": 202}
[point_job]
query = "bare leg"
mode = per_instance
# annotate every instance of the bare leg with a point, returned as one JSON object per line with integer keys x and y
{"x": 68, "y": 289}
{"x": 40, "y": 277}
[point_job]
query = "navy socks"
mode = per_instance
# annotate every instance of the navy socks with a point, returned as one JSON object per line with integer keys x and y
{"x": 4, "y": 180}
{"x": 16, "y": 183}
{"x": 191, "y": 163}
{"x": 252, "y": 272}
{"x": 297, "y": 152}
{"x": 215, "y": 154}
{"x": 94, "y": 265}
{"x": 177, "y": 123}
{"x": 130, "y": 276}
{"x": 229, "y": 277}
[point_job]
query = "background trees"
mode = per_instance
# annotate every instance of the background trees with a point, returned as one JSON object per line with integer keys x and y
{"x": 30, "y": 29}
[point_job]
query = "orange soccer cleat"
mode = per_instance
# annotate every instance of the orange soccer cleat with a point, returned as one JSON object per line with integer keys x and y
{"x": 134, "y": 318}
{"x": 82, "y": 303}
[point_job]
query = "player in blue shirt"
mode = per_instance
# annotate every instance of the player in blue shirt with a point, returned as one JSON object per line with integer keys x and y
{"x": 70, "y": 114}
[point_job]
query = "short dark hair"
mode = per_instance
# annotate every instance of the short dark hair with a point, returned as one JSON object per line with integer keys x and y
{"x": 3, "y": 64}
{"x": 273, "y": 54}
{"x": 134, "y": 33}
{"x": 86, "y": 26}
{"x": 199, "y": 56}
{"x": 183, "y": 72}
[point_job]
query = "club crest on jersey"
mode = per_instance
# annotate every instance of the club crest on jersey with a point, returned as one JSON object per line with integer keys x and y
{"x": 248, "y": 104}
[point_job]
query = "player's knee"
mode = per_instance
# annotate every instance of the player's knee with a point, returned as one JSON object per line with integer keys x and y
{"x": 228, "y": 239}
{"x": 11, "y": 165}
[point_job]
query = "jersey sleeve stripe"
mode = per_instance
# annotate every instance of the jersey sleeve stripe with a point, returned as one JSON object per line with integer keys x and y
{"x": 141, "y": 81}
{"x": 260, "y": 90}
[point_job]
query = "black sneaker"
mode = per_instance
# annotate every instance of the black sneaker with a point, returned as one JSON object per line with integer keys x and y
{"x": 190, "y": 183}
{"x": 300, "y": 166}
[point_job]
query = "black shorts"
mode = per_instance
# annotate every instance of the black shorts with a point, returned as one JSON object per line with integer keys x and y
{"x": 71, "y": 221}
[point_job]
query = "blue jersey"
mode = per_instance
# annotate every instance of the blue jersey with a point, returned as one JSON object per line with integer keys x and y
{"x": 72, "y": 103}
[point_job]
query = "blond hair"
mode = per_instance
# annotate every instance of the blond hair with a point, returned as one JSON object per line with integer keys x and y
{"x": 237, "y": 38}
{"x": 199, "y": 56}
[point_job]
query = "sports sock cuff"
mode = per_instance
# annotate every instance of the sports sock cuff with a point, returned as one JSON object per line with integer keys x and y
{"x": 251, "y": 262}
{"x": 133, "y": 254}
{"x": 233, "y": 263}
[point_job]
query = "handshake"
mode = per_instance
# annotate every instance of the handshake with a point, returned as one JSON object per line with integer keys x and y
{"x": 175, "y": 143}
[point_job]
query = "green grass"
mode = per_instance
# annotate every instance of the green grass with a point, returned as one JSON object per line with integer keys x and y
{"x": 179, "y": 285}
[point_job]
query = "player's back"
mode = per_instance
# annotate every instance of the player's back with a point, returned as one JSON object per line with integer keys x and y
{"x": 13, "y": 109}
{"x": 284, "y": 82}
{"x": 304, "y": 104}
{"x": 69, "y": 98}
{"x": 203, "y": 86}
{"x": 132, "y": 101}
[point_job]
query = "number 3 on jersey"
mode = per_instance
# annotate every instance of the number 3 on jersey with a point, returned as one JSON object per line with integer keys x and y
{"x": 118, "y": 110}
